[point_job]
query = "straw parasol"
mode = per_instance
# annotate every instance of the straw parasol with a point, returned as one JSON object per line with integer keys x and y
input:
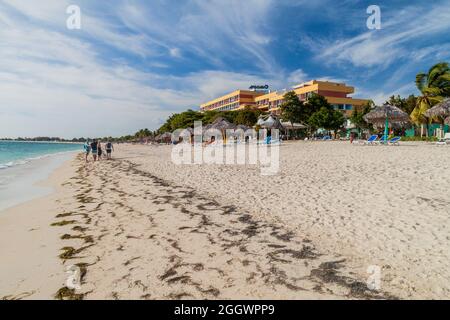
{"x": 166, "y": 136}
{"x": 441, "y": 110}
{"x": 242, "y": 127}
{"x": 272, "y": 122}
{"x": 261, "y": 121}
{"x": 222, "y": 124}
{"x": 292, "y": 126}
{"x": 386, "y": 115}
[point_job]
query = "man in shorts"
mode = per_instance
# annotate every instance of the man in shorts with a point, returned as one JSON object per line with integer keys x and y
{"x": 87, "y": 150}
{"x": 109, "y": 150}
{"x": 94, "y": 149}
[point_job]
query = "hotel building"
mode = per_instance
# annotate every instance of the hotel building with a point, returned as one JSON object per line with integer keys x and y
{"x": 233, "y": 101}
{"x": 337, "y": 94}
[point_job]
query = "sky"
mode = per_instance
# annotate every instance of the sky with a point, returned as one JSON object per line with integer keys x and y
{"x": 133, "y": 63}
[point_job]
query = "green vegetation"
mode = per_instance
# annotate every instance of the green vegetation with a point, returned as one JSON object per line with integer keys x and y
{"x": 434, "y": 87}
{"x": 186, "y": 119}
{"x": 315, "y": 113}
{"x": 417, "y": 138}
{"x": 357, "y": 117}
{"x": 405, "y": 104}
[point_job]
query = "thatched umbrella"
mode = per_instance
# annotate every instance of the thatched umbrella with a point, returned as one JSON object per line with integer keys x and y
{"x": 166, "y": 136}
{"x": 385, "y": 115}
{"x": 221, "y": 124}
{"x": 242, "y": 127}
{"x": 440, "y": 112}
{"x": 261, "y": 120}
{"x": 292, "y": 126}
{"x": 188, "y": 131}
{"x": 272, "y": 122}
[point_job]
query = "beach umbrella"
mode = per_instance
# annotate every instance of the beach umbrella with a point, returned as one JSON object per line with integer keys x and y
{"x": 191, "y": 131}
{"x": 292, "y": 126}
{"x": 222, "y": 124}
{"x": 166, "y": 136}
{"x": 441, "y": 111}
{"x": 261, "y": 121}
{"x": 385, "y": 115}
{"x": 272, "y": 122}
{"x": 242, "y": 127}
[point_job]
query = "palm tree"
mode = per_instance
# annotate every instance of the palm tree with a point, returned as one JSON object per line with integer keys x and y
{"x": 434, "y": 86}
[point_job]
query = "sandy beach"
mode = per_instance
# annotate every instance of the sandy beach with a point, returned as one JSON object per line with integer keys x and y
{"x": 141, "y": 227}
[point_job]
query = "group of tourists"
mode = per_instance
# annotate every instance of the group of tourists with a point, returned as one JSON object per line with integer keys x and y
{"x": 95, "y": 148}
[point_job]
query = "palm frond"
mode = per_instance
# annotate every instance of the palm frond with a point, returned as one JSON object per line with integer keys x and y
{"x": 420, "y": 81}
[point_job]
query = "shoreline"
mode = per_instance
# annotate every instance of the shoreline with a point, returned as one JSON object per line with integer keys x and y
{"x": 23, "y": 182}
{"x": 30, "y": 266}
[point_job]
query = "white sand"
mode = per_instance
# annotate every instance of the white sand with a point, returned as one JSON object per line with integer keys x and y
{"x": 385, "y": 206}
{"x": 150, "y": 229}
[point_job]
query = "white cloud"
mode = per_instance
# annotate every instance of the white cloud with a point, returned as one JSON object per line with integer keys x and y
{"x": 296, "y": 77}
{"x": 175, "y": 52}
{"x": 58, "y": 82}
{"x": 401, "y": 33}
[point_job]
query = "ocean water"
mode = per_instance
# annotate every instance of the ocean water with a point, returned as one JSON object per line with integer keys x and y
{"x": 14, "y": 153}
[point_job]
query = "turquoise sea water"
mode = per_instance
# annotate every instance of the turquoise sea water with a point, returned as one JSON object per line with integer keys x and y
{"x": 15, "y": 153}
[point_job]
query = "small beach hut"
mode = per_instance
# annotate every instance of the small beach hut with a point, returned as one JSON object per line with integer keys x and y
{"x": 387, "y": 115}
{"x": 440, "y": 112}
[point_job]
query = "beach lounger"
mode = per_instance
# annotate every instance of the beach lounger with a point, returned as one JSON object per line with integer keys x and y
{"x": 395, "y": 141}
{"x": 444, "y": 141}
{"x": 447, "y": 138}
{"x": 371, "y": 140}
{"x": 383, "y": 140}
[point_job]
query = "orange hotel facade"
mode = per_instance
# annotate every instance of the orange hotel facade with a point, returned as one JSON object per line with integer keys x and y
{"x": 337, "y": 94}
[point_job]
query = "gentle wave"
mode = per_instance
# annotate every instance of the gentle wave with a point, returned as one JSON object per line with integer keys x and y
{"x": 27, "y": 160}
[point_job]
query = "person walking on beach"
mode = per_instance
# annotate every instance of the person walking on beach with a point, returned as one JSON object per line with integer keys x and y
{"x": 100, "y": 151}
{"x": 109, "y": 150}
{"x": 87, "y": 150}
{"x": 94, "y": 149}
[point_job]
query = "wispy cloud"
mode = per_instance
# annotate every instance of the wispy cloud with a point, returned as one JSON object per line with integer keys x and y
{"x": 403, "y": 33}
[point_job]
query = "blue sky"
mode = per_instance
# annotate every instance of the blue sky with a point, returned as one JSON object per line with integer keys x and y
{"x": 133, "y": 63}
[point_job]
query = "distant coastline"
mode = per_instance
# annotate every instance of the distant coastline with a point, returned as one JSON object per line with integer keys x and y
{"x": 45, "y": 140}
